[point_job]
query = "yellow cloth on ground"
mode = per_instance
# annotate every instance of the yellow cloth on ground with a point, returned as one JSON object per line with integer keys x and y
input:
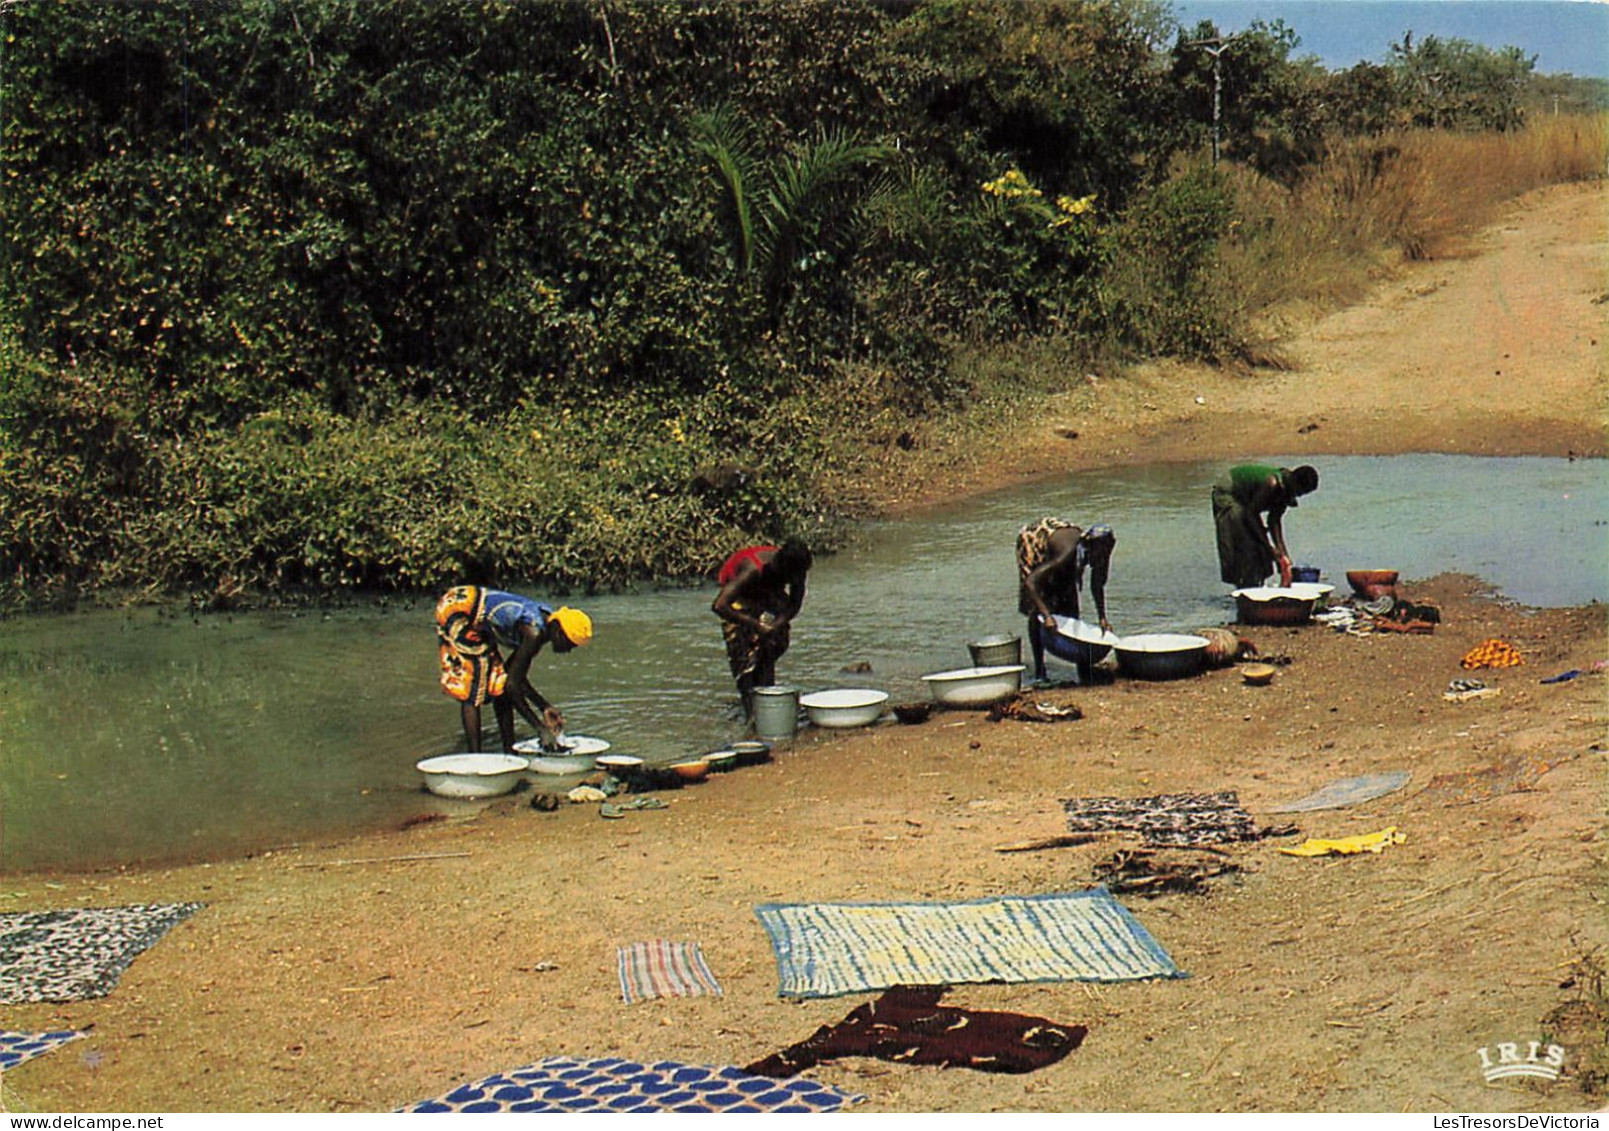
{"x": 1492, "y": 653}
{"x": 1347, "y": 846}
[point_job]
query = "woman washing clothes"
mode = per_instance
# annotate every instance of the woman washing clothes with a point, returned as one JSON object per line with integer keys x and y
{"x": 762, "y": 590}
{"x": 1052, "y": 555}
{"x": 1250, "y": 548}
{"x": 471, "y": 624}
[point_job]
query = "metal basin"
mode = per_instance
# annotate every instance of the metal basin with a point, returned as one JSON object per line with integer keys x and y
{"x": 847, "y": 707}
{"x": 996, "y": 651}
{"x": 1161, "y": 655}
{"x": 577, "y": 754}
{"x": 1270, "y": 604}
{"x": 975, "y": 687}
{"x": 1079, "y": 642}
{"x": 472, "y": 775}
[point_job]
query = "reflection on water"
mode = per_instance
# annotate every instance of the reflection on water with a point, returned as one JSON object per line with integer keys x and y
{"x": 128, "y": 736}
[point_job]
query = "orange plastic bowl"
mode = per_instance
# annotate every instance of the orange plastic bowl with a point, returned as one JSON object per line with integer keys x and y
{"x": 692, "y": 771}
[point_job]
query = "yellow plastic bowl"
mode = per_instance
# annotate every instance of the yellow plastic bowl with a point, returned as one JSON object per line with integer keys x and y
{"x": 1258, "y": 674}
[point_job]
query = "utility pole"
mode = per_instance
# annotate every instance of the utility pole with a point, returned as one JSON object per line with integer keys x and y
{"x": 1215, "y": 47}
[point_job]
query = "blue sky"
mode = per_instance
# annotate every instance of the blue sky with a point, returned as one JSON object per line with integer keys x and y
{"x": 1565, "y": 35}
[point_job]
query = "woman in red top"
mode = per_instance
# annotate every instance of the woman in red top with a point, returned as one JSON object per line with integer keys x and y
{"x": 762, "y": 590}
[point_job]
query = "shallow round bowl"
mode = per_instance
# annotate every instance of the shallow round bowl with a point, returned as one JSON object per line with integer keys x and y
{"x": 752, "y": 752}
{"x": 975, "y": 687}
{"x": 1257, "y": 674}
{"x": 1161, "y": 655}
{"x": 619, "y": 764}
{"x": 472, "y": 775}
{"x": 847, "y": 707}
{"x": 691, "y": 771}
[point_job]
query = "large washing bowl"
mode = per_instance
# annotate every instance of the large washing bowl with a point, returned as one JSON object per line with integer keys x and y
{"x": 472, "y": 775}
{"x": 577, "y": 754}
{"x": 1078, "y": 642}
{"x": 1273, "y": 604}
{"x": 975, "y": 687}
{"x": 1161, "y": 655}
{"x": 844, "y": 707}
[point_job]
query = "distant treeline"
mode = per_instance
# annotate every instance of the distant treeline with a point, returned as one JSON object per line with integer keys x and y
{"x": 303, "y": 295}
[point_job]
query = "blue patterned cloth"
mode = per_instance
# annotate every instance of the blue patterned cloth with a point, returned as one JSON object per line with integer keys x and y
{"x": 15, "y": 1048}
{"x": 829, "y": 949}
{"x": 562, "y": 1084}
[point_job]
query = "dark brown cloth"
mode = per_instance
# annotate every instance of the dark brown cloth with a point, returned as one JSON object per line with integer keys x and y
{"x": 907, "y": 1025}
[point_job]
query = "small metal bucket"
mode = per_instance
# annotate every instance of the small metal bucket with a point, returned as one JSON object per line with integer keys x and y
{"x": 776, "y": 712}
{"x": 996, "y": 651}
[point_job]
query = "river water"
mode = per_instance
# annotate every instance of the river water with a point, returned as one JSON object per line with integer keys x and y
{"x": 139, "y": 736}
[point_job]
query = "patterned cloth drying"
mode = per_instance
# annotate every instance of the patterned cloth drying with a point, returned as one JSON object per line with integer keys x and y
{"x": 1170, "y": 818}
{"x": 907, "y": 1025}
{"x": 81, "y": 953}
{"x": 17, "y": 1048}
{"x": 560, "y": 1083}
{"x": 1492, "y": 653}
{"x": 660, "y": 968}
{"x": 828, "y": 949}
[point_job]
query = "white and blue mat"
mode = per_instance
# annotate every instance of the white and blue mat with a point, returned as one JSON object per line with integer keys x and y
{"x": 828, "y": 949}
{"x": 562, "y": 1084}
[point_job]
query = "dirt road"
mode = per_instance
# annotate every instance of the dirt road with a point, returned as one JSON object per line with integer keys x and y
{"x": 327, "y": 978}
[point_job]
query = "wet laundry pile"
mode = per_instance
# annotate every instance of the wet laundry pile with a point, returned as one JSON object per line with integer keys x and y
{"x": 1023, "y": 710}
{"x": 81, "y": 953}
{"x": 1387, "y": 612}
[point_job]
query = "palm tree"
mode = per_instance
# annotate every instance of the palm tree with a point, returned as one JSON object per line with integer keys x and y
{"x": 786, "y": 214}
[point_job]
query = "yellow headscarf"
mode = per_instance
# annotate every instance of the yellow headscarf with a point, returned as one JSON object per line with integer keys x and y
{"x": 575, "y": 625}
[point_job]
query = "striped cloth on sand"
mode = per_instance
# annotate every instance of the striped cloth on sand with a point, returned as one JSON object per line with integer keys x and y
{"x": 660, "y": 968}
{"x": 828, "y": 949}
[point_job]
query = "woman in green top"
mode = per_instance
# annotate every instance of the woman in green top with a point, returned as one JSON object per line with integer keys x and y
{"x": 1249, "y": 548}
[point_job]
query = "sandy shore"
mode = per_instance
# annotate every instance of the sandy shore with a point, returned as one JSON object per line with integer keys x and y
{"x": 340, "y": 977}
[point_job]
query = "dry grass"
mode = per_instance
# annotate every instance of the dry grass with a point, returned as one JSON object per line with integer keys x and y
{"x": 1374, "y": 201}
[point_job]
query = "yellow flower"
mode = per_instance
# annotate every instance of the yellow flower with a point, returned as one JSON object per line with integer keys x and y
{"x": 1010, "y": 186}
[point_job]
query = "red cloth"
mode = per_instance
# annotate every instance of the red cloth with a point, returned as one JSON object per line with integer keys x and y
{"x": 735, "y": 562}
